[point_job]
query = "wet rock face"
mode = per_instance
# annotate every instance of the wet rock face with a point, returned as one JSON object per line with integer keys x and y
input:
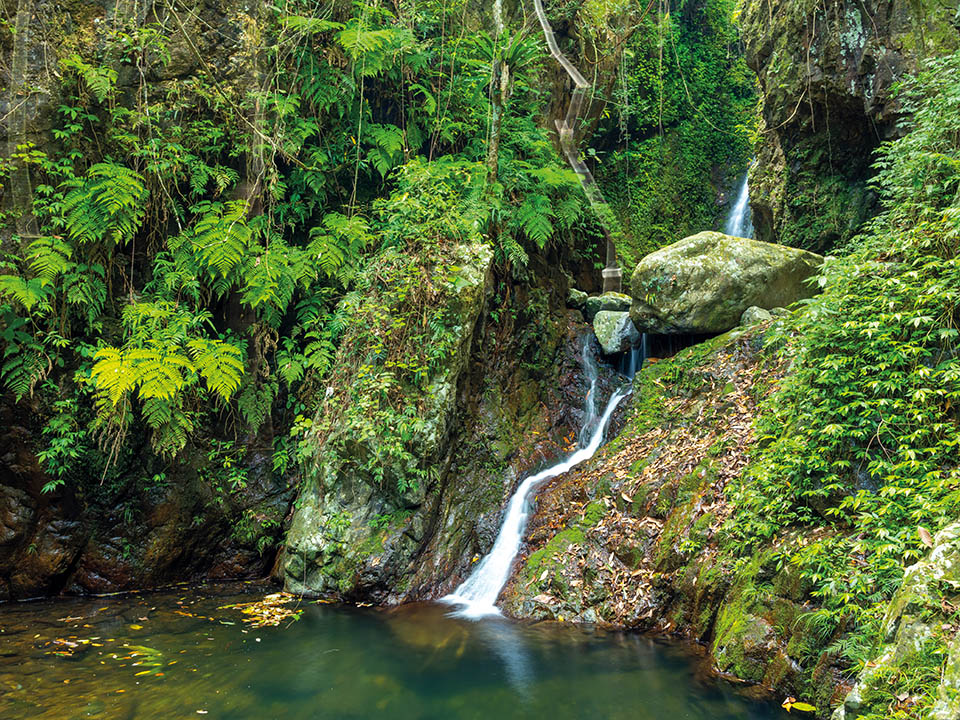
{"x": 827, "y": 73}
{"x": 615, "y": 331}
{"x": 82, "y": 538}
{"x": 512, "y": 404}
{"x": 705, "y": 283}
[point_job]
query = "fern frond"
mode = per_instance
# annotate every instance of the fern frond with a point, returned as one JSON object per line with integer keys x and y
{"x": 99, "y": 80}
{"x": 219, "y": 363}
{"x": 533, "y": 217}
{"x": 28, "y": 293}
{"x": 113, "y": 374}
{"x": 159, "y": 371}
{"x": 108, "y": 204}
{"x": 49, "y": 257}
{"x": 220, "y": 238}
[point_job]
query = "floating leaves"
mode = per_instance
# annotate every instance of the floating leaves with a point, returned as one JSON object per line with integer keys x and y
{"x": 269, "y": 612}
{"x": 792, "y": 704}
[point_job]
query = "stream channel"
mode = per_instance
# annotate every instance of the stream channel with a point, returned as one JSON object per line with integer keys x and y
{"x": 189, "y": 653}
{"x": 76, "y": 658}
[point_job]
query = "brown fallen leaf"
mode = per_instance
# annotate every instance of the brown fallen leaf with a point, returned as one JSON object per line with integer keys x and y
{"x": 544, "y": 598}
{"x": 925, "y": 537}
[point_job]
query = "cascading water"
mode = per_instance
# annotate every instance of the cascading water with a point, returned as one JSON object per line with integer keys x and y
{"x": 590, "y": 404}
{"x": 738, "y": 223}
{"x": 632, "y": 360}
{"x": 478, "y": 593}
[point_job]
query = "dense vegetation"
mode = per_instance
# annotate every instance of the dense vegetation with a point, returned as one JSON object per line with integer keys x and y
{"x": 195, "y": 256}
{"x": 685, "y": 114}
{"x": 862, "y": 438}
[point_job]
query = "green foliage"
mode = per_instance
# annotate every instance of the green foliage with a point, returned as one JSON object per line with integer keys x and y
{"x": 686, "y": 106}
{"x": 164, "y": 356}
{"x": 107, "y": 205}
{"x": 862, "y": 436}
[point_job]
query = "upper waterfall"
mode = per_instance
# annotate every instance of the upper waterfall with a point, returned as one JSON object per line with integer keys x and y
{"x": 738, "y": 222}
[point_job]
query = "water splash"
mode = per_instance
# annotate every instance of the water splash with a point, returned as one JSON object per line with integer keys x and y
{"x": 738, "y": 223}
{"x": 477, "y": 595}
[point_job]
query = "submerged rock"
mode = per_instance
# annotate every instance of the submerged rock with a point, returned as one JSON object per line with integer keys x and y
{"x": 615, "y": 331}
{"x": 613, "y": 301}
{"x": 704, "y": 283}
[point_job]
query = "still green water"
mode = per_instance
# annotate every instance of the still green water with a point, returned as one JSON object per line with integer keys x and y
{"x": 163, "y": 656}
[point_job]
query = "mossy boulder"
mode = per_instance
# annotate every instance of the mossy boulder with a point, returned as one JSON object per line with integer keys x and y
{"x": 615, "y": 331}
{"x": 613, "y": 301}
{"x": 704, "y": 283}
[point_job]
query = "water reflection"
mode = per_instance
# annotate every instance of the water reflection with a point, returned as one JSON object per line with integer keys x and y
{"x": 412, "y": 663}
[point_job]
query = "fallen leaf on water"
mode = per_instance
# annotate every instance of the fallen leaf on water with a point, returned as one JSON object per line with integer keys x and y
{"x": 792, "y": 704}
{"x": 136, "y": 627}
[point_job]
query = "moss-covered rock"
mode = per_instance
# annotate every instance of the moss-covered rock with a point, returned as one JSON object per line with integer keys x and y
{"x": 615, "y": 331}
{"x": 704, "y": 283}
{"x": 612, "y": 301}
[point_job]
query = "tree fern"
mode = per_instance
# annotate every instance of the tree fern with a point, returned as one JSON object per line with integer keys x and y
{"x": 108, "y": 205}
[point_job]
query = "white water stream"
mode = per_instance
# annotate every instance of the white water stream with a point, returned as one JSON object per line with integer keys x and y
{"x": 738, "y": 223}
{"x": 477, "y": 595}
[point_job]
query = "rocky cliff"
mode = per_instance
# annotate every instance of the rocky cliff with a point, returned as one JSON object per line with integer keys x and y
{"x": 828, "y": 73}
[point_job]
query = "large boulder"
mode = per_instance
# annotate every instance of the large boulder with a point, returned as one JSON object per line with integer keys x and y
{"x": 615, "y": 331}
{"x": 704, "y": 283}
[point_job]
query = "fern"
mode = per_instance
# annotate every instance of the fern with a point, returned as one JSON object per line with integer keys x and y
{"x": 113, "y": 374}
{"x": 309, "y": 25}
{"x": 28, "y": 293}
{"x": 108, "y": 204}
{"x": 49, "y": 257}
{"x": 219, "y": 363}
{"x": 387, "y": 150}
{"x": 159, "y": 371}
{"x": 336, "y": 246}
{"x": 221, "y": 237}
{"x": 99, "y": 80}
{"x": 534, "y": 218}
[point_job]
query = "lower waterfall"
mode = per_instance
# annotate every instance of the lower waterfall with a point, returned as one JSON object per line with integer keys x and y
{"x": 477, "y": 595}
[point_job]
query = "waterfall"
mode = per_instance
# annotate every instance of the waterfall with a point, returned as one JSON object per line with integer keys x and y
{"x": 738, "y": 223}
{"x": 590, "y": 405}
{"x": 632, "y": 360}
{"x": 478, "y": 594}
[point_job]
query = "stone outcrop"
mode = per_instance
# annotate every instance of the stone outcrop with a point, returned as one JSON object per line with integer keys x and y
{"x": 145, "y": 527}
{"x": 704, "y": 283}
{"x": 915, "y": 614}
{"x": 827, "y": 73}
